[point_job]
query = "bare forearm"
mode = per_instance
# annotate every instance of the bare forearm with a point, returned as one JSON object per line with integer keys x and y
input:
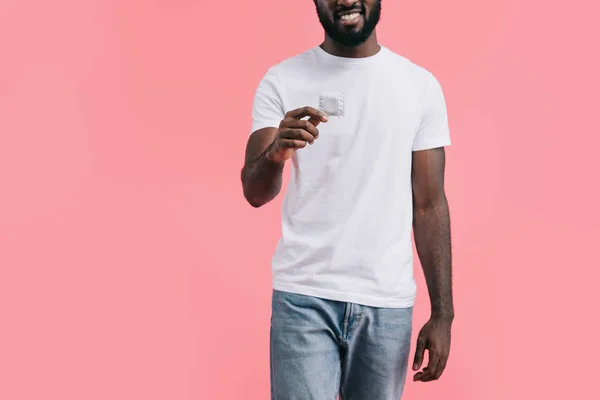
{"x": 432, "y": 238}
{"x": 261, "y": 180}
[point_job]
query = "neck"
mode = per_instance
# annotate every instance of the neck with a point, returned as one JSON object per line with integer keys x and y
{"x": 369, "y": 48}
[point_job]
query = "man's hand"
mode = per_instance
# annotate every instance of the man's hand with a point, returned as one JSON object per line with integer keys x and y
{"x": 294, "y": 133}
{"x": 435, "y": 338}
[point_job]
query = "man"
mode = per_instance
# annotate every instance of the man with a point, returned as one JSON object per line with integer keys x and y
{"x": 365, "y": 130}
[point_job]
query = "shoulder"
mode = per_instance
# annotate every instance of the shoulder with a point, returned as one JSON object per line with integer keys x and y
{"x": 289, "y": 65}
{"x": 413, "y": 71}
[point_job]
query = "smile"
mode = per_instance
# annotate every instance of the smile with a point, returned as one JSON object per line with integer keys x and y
{"x": 350, "y": 19}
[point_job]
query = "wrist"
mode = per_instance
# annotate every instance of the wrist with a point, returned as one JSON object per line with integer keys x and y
{"x": 443, "y": 316}
{"x": 272, "y": 157}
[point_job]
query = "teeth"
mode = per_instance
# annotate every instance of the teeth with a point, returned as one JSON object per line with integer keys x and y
{"x": 349, "y": 17}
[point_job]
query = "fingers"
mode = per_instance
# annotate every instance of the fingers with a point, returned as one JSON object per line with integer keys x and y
{"x": 314, "y": 121}
{"x": 420, "y": 353}
{"x": 440, "y": 369}
{"x": 436, "y": 340}
{"x": 304, "y": 124}
{"x": 307, "y": 111}
{"x": 291, "y": 144}
{"x": 430, "y": 371}
{"x": 435, "y": 367}
{"x": 296, "y": 134}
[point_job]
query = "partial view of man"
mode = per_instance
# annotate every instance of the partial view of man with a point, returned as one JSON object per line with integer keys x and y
{"x": 365, "y": 130}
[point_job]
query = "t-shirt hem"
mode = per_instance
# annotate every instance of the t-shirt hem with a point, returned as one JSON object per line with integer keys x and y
{"x": 365, "y": 300}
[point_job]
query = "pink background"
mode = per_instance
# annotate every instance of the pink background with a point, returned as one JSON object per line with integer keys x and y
{"x": 132, "y": 268}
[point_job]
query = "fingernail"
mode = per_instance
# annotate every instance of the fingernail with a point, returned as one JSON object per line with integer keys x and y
{"x": 325, "y": 118}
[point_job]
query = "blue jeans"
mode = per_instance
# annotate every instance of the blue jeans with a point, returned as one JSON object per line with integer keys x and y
{"x": 321, "y": 349}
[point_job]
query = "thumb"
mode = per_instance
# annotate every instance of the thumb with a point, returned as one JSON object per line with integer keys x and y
{"x": 314, "y": 121}
{"x": 419, "y": 353}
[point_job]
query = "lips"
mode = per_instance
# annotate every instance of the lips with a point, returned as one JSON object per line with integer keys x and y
{"x": 341, "y": 14}
{"x": 349, "y": 17}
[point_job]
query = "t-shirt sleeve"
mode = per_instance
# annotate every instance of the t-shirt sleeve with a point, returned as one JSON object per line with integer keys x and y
{"x": 433, "y": 130}
{"x": 267, "y": 107}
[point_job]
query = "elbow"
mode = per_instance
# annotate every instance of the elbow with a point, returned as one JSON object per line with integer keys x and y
{"x": 254, "y": 201}
{"x": 429, "y": 205}
{"x": 256, "y": 195}
{"x": 249, "y": 196}
{"x": 423, "y": 209}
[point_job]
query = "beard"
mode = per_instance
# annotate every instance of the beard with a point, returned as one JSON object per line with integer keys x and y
{"x": 349, "y": 38}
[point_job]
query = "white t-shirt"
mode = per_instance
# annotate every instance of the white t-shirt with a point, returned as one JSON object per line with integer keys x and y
{"x": 347, "y": 213}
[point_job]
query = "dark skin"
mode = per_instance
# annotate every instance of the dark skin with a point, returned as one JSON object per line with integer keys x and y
{"x": 268, "y": 149}
{"x": 369, "y": 47}
{"x": 431, "y": 225}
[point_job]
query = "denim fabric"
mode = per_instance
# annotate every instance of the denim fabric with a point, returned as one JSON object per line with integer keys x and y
{"x": 322, "y": 348}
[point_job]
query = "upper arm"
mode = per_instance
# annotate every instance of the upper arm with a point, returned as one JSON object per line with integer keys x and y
{"x": 428, "y": 177}
{"x": 267, "y": 113}
{"x": 429, "y": 156}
